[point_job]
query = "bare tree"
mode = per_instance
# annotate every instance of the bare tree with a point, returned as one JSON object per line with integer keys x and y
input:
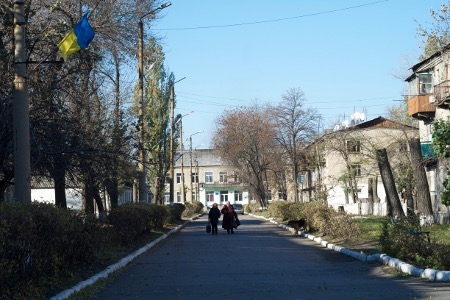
{"x": 245, "y": 138}
{"x": 296, "y": 126}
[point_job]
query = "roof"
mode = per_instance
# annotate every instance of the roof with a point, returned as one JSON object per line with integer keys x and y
{"x": 376, "y": 123}
{"x": 205, "y": 157}
{"x": 427, "y": 63}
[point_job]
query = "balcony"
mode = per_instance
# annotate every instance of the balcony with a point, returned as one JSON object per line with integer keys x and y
{"x": 419, "y": 107}
{"x": 442, "y": 93}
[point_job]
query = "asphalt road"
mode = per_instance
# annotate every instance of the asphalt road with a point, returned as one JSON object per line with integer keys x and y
{"x": 260, "y": 261}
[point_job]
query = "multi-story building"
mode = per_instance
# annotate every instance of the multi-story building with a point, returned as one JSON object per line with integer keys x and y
{"x": 429, "y": 100}
{"x": 342, "y": 168}
{"x": 200, "y": 175}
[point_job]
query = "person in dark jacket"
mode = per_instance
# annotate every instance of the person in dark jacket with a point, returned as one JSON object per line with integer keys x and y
{"x": 228, "y": 217}
{"x": 213, "y": 217}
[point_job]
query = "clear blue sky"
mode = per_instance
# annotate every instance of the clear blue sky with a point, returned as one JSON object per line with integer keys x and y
{"x": 344, "y": 55}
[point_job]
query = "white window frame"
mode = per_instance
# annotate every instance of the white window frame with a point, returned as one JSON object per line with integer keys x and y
{"x": 209, "y": 177}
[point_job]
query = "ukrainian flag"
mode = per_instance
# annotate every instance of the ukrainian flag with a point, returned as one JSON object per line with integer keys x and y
{"x": 78, "y": 38}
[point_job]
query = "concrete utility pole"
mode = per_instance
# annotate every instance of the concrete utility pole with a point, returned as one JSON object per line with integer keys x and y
{"x": 183, "y": 194}
{"x": 172, "y": 125}
{"x": 142, "y": 186}
{"x": 21, "y": 109}
{"x": 190, "y": 154}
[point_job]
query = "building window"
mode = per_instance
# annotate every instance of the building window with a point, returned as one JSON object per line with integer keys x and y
{"x": 178, "y": 197}
{"x": 356, "y": 168}
{"x": 223, "y": 196}
{"x": 209, "y": 177}
{"x": 425, "y": 84}
{"x": 194, "y": 177}
{"x": 269, "y": 195}
{"x": 210, "y": 196}
{"x": 167, "y": 198}
{"x": 282, "y": 195}
{"x": 223, "y": 177}
{"x": 178, "y": 176}
{"x": 235, "y": 178}
{"x": 353, "y": 146}
{"x": 237, "y": 196}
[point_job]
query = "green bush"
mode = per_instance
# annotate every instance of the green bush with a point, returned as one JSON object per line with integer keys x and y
{"x": 129, "y": 222}
{"x": 176, "y": 211}
{"x": 41, "y": 244}
{"x": 192, "y": 209}
{"x": 159, "y": 215}
{"x": 401, "y": 240}
{"x": 252, "y": 207}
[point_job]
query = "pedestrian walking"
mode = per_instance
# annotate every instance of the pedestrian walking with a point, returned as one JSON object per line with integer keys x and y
{"x": 228, "y": 217}
{"x": 213, "y": 218}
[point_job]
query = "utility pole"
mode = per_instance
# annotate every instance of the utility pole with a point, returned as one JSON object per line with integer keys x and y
{"x": 142, "y": 170}
{"x": 183, "y": 192}
{"x": 21, "y": 109}
{"x": 171, "y": 169}
{"x": 142, "y": 185}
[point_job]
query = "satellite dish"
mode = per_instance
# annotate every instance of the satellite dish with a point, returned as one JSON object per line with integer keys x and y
{"x": 345, "y": 124}
{"x": 362, "y": 116}
{"x": 357, "y": 115}
{"x": 337, "y": 127}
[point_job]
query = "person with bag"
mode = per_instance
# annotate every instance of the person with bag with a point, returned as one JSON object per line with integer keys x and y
{"x": 213, "y": 218}
{"x": 229, "y": 215}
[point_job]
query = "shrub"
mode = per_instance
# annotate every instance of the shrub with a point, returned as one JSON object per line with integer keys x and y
{"x": 129, "y": 222}
{"x": 193, "y": 208}
{"x": 253, "y": 207}
{"x": 401, "y": 240}
{"x": 41, "y": 244}
{"x": 176, "y": 211}
{"x": 159, "y": 215}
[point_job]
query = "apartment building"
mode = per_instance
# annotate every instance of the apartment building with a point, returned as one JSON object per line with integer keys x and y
{"x": 200, "y": 175}
{"x": 342, "y": 166}
{"x": 429, "y": 100}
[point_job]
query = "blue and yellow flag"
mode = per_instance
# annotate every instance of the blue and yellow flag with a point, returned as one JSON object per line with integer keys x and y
{"x": 78, "y": 38}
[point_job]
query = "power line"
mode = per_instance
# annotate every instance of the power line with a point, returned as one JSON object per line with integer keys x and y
{"x": 274, "y": 20}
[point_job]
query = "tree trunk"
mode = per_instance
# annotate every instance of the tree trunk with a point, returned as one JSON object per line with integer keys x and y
{"x": 370, "y": 195}
{"x": 88, "y": 197}
{"x": 376, "y": 199}
{"x": 59, "y": 181}
{"x": 395, "y": 207}
{"x": 424, "y": 206}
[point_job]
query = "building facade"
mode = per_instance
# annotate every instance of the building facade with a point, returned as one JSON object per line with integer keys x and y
{"x": 429, "y": 100}
{"x": 200, "y": 175}
{"x": 342, "y": 166}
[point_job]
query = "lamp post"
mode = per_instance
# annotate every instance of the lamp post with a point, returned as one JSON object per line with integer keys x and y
{"x": 172, "y": 128}
{"x": 190, "y": 154}
{"x": 142, "y": 185}
{"x": 180, "y": 121}
{"x": 197, "y": 171}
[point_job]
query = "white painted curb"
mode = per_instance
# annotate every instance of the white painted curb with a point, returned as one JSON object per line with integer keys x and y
{"x": 430, "y": 274}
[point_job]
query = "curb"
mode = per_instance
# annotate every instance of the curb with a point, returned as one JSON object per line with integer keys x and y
{"x": 430, "y": 274}
{"x": 118, "y": 265}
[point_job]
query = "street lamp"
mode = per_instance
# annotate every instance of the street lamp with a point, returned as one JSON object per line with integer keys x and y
{"x": 190, "y": 154}
{"x": 180, "y": 121}
{"x": 142, "y": 155}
